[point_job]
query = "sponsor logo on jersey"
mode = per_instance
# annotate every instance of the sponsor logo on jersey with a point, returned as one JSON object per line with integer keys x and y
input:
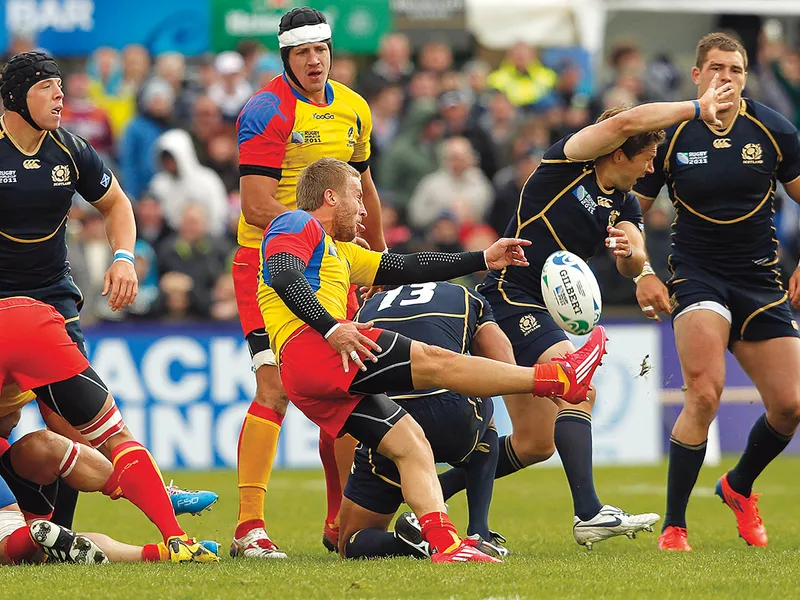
{"x": 604, "y": 202}
{"x": 60, "y": 175}
{"x": 692, "y": 158}
{"x": 105, "y": 180}
{"x": 323, "y": 116}
{"x": 751, "y": 154}
{"x": 528, "y": 324}
{"x": 721, "y": 143}
{"x": 305, "y": 137}
{"x": 8, "y": 176}
{"x": 31, "y": 163}
{"x": 351, "y": 137}
{"x": 585, "y": 198}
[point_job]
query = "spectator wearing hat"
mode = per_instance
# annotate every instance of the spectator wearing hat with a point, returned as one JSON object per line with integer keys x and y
{"x": 137, "y": 158}
{"x": 232, "y": 91}
{"x": 455, "y": 106}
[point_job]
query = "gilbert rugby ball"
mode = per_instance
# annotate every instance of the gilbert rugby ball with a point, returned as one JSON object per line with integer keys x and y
{"x": 571, "y": 293}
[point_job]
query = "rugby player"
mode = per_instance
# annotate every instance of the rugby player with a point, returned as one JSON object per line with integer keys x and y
{"x": 308, "y": 265}
{"x": 725, "y": 289}
{"x": 296, "y": 118}
{"x": 578, "y": 200}
{"x": 458, "y": 428}
{"x": 41, "y": 167}
{"x": 69, "y": 386}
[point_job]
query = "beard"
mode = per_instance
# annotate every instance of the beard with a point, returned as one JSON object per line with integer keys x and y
{"x": 344, "y": 230}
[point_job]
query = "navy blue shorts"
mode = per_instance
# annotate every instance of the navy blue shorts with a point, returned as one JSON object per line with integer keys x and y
{"x": 758, "y": 304}
{"x": 453, "y": 424}
{"x": 526, "y": 322}
{"x": 66, "y": 298}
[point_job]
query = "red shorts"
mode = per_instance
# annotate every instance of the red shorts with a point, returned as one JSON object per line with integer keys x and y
{"x": 35, "y": 348}
{"x": 315, "y": 381}
{"x": 245, "y": 286}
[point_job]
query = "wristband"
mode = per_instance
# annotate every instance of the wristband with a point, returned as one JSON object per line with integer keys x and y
{"x": 331, "y": 330}
{"x": 485, "y": 260}
{"x": 696, "y": 108}
{"x": 646, "y": 270}
{"x": 125, "y": 255}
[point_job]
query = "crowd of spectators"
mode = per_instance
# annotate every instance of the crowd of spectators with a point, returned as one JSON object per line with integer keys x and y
{"x": 454, "y": 140}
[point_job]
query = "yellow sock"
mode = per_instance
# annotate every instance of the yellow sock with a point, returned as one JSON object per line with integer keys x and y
{"x": 258, "y": 443}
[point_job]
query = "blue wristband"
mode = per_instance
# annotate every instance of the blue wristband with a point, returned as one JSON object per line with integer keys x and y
{"x": 696, "y": 108}
{"x": 124, "y": 255}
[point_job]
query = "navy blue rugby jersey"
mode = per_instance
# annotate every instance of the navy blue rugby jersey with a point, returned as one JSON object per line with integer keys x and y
{"x": 722, "y": 185}
{"x": 36, "y": 191}
{"x": 562, "y": 207}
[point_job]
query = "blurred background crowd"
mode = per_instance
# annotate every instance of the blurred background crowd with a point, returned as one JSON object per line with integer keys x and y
{"x": 454, "y": 138}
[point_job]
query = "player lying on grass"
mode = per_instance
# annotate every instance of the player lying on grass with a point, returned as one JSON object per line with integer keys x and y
{"x": 308, "y": 265}
{"x": 12, "y": 399}
{"x": 42, "y": 457}
{"x": 459, "y": 428}
{"x": 51, "y": 364}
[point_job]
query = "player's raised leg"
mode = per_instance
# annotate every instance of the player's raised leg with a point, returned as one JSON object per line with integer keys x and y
{"x": 772, "y": 365}
{"x": 701, "y": 337}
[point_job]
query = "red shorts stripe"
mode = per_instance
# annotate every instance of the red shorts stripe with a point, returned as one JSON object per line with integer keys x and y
{"x": 315, "y": 380}
{"x": 245, "y": 286}
{"x": 35, "y": 348}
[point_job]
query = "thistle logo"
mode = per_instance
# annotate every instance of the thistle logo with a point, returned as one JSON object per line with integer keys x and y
{"x": 751, "y": 154}
{"x": 60, "y": 175}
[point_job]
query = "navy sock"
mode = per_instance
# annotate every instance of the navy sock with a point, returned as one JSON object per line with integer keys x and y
{"x": 573, "y": 437}
{"x": 454, "y": 480}
{"x": 763, "y": 445}
{"x": 375, "y": 543}
{"x": 480, "y": 471}
{"x": 685, "y": 461}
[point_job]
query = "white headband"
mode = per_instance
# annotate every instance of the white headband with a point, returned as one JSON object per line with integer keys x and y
{"x": 307, "y": 34}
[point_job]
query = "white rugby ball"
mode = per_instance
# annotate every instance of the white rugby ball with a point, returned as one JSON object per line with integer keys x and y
{"x": 571, "y": 293}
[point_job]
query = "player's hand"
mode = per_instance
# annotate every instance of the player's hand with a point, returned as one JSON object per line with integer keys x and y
{"x": 120, "y": 284}
{"x": 794, "y": 288}
{"x": 348, "y": 341}
{"x": 653, "y": 297}
{"x": 618, "y": 242}
{"x": 715, "y": 100}
{"x": 369, "y": 292}
{"x": 359, "y": 241}
{"x": 506, "y": 252}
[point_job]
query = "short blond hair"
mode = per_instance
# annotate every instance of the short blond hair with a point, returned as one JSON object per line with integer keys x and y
{"x": 718, "y": 41}
{"x": 323, "y": 174}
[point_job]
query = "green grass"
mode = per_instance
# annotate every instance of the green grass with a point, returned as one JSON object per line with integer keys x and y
{"x": 531, "y": 508}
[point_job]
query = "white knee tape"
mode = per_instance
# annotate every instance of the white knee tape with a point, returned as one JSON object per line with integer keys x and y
{"x": 264, "y": 358}
{"x": 10, "y": 521}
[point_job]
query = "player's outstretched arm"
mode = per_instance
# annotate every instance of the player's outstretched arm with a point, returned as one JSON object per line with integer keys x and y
{"x": 399, "y": 269}
{"x": 605, "y": 137}
{"x": 120, "y": 283}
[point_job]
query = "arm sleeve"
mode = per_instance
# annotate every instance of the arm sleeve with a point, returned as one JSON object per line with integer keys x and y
{"x": 263, "y": 129}
{"x": 398, "y": 269}
{"x": 650, "y": 185}
{"x": 93, "y": 177}
{"x": 289, "y": 282}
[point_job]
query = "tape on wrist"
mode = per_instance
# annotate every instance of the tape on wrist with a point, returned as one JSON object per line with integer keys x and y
{"x": 646, "y": 270}
{"x": 696, "y": 108}
{"x": 124, "y": 255}
{"x": 332, "y": 329}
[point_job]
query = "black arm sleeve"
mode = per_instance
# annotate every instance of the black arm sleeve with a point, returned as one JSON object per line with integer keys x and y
{"x": 287, "y": 279}
{"x": 399, "y": 269}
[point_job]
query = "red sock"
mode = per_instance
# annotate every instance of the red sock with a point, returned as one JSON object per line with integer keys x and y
{"x": 439, "y": 532}
{"x": 333, "y": 486}
{"x": 152, "y": 553}
{"x": 137, "y": 477}
{"x": 20, "y": 546}
{"x": 549, "y": 379}
{"x": 242, "y": 529}
{"x": 4, "y": 446}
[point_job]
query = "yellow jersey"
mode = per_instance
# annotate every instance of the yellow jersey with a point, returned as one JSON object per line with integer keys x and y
{"x": 331, "y": 267}
{"x": 12, "y": 398}
{"x": 281, "y": 132}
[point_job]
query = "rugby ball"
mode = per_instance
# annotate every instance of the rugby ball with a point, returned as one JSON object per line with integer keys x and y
{"x": 571, "y": 293}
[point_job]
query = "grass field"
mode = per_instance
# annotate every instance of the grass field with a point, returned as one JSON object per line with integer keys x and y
{"x": 531, "y": 508}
